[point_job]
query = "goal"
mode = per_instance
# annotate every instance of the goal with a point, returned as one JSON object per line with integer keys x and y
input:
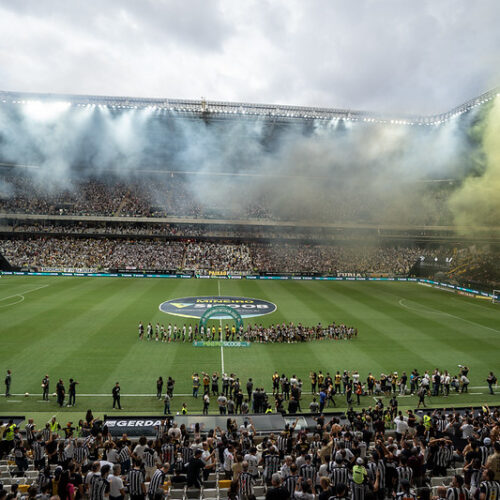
{"x": 496, "y": 297}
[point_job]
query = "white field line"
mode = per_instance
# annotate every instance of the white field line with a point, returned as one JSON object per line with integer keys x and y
{"x": 21, "y": 295}
{"x": 221, "y": 348}
{"x": 305, "y": 393}
{"x": 401, "y": 303}
{"x": 21, "y": 299}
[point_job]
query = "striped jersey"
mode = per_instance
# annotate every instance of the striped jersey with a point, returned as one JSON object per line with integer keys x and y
{"x": 187, "y": 454}
{"x": 135, "y": 482}
{"x": 357, "y": 491}
{"x": 45, "y": 434}
{"x": 168, "y": 453}
{"x": 124, "y": 454}
{"x": 98, "y": 487}
{"x": 80, "y": 454}
{"x": 403, "y": 472}
{"x": 282, "y": 442}
{"x": 245, "y": 485}
{"x": 457, "y": 494}
{"x": 156, "y": 481}
{"x": 29, "y": 432}
{"x": 308, "y": 471}
{"x": 444, "y": 456}
{"x": 290, "y": 483}
{"x": 38, "y": 451}
{"x": 339, "y": 475}
{"x": 475, "y": 478}
{"x": 372, "y": 472}
{"x": 149, "y": 458}
{"x": 491, "y": 490}
{"x": 406, "y": 495}
{"x": 485, "y": 452}
{"x": 271, "y": 465}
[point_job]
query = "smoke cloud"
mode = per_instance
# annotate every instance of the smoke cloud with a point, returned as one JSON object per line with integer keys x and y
{"x": 477, "y": 202}
{"x": 336, "y": 172}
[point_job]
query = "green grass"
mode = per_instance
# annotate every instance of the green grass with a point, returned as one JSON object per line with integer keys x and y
{"x": 86, "y": 328}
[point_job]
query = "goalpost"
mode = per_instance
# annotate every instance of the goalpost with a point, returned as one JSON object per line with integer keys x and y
{"x": 496, "y": 297}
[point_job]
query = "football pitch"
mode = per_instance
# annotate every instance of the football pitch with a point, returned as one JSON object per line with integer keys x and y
{"x": 86, "y": 328}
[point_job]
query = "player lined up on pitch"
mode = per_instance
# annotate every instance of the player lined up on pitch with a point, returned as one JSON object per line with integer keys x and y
{"x": 276, "y": 333}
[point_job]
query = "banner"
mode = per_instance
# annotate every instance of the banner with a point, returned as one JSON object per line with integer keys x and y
{"x": 436, "y": 284}
{"x": 219, "y": 343}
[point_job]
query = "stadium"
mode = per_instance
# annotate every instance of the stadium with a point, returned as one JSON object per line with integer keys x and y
{"x": 335, "y": 260}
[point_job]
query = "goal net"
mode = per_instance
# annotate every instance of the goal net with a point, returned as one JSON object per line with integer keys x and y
{"x": 496, "y": 297}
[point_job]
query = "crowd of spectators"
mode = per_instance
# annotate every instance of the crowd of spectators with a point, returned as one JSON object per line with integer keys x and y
{"x": 206, "y": 256}
{"x": 162, "y": 195}
{"x": 89, "y": 253}
{"x": 188, "y": 230}
{"x": 357, "y": 457}
{"x": 140, "y": 197}
{"x": 176, "y": 229}
{"x": 472, "y": 266}
{"x": 104, "y": 253}
{"x": 317, "y": 258}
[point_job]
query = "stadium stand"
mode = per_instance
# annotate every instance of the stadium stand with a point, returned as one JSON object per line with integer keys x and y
{"x": 375, "y": 453}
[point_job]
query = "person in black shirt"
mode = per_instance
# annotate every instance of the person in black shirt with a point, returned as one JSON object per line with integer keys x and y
{"x": 292, "y": 405}
{"x": 75, "y": 478}
{"x": 170, "y": 387}
{"x": 194, "y": 467}
{"x": 249, "y": 389}
{"x": 8, "y": 380}
{"x": 277, "y": 491}
{"x": 116, "y": 396}
{"x": 326, "y": 489}
{"x": 159, "y": 387}
{"x": 178, "y": 478}
{"x": 72, "y": 392}
{"x": 45, "y": 387}
{"x": 61, "y": 392}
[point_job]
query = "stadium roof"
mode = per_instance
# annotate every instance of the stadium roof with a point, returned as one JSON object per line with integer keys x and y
{"x": 231, "y": 110}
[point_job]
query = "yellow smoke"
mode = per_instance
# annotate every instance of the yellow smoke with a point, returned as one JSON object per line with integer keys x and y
{"x": 476, "y": 204}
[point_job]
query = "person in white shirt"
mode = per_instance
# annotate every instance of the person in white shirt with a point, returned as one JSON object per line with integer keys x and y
{"x": 228, "y": 461}
{"x": 401, "y": 426}
{"x": 112, "y": 453}
{"x": 174, "y": 432}
{"x": 285, "y": 468}
{"x": 116, "y": 488}
{"x": 253, "y": 462}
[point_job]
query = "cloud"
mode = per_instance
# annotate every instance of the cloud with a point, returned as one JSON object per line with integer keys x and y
{"x": 390, "y": 55}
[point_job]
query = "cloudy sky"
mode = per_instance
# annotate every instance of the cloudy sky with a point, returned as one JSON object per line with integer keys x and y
{"x": 405, "y": 56}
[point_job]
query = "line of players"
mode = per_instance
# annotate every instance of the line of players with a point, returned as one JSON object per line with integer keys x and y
{"x": 281, "y": 333}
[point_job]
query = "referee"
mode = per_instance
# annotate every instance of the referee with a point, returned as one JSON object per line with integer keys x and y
{"x": 157, "y": 481}
{"x": 136, "y": 486}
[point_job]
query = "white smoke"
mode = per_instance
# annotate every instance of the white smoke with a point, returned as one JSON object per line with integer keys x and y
{"x": 337, "y": 171}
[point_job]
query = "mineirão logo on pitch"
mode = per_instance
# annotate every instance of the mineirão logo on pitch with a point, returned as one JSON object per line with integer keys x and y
{"x": 194, "y": 307}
